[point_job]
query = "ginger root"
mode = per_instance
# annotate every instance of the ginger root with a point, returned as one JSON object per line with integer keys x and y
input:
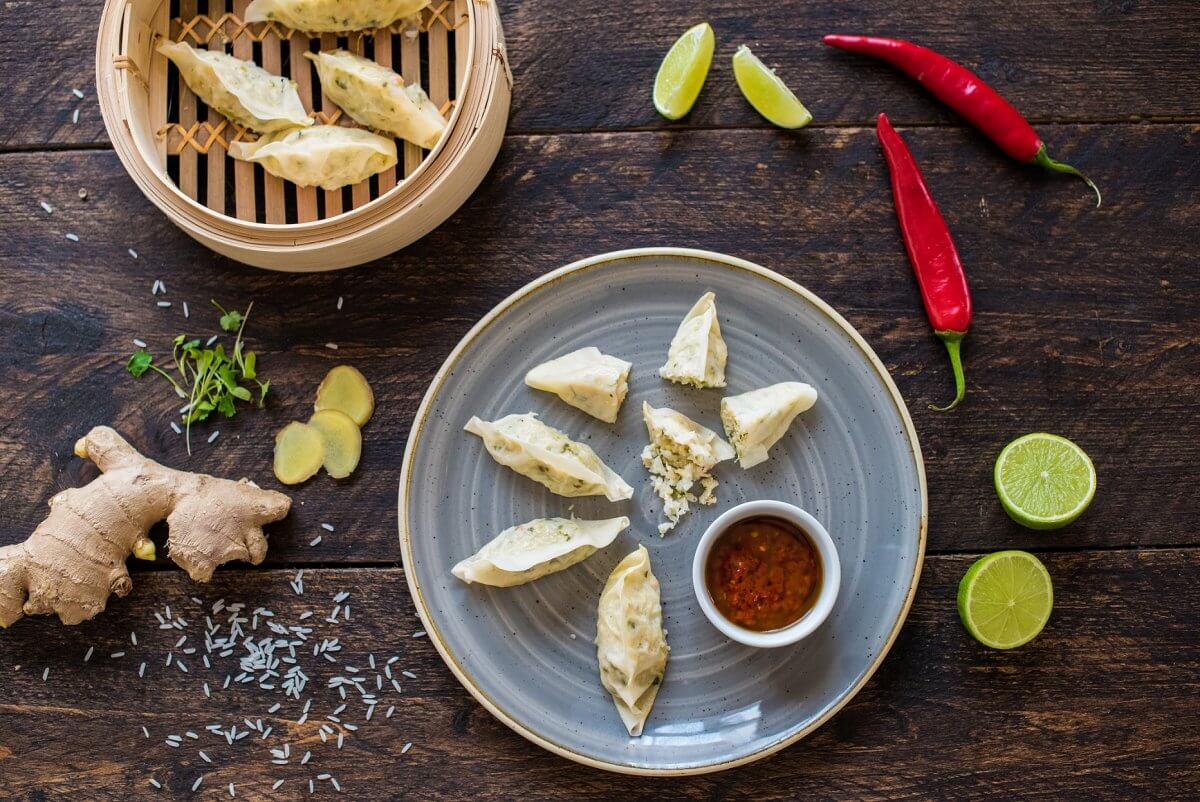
{"x": 299, "y": 453}
{"x": 76, "y": 557}
{"x": 345, "y": 389}
{"x": 343, "y": 441}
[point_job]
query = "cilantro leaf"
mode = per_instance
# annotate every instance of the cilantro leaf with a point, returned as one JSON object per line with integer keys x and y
{"x": 139, "y": 363}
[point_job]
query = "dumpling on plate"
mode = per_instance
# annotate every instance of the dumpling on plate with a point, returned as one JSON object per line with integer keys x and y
{"x": 377, "y": 97}
{"x": 241, "y": 90}
{"x": 756, "y": 420}
{"x": 586, "y": 379}
{"x": 631, "y": 645}
{"x": 325, "y": 156}
{"x": 697, "y": 354}
{"x": 680, "y": 456}
{"x": 332, "y": 15}
{"x": 547, "y": 456}
{"x": 532, "y": 550}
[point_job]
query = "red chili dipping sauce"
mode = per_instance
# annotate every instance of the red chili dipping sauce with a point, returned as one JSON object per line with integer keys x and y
{"x": 763, "y": 573}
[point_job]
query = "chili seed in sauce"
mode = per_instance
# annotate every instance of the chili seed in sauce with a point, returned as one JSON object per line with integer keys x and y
{"x": 763, "y": 573}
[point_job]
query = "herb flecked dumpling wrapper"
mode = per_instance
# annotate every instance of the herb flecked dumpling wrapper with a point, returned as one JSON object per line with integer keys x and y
{"x": 332, "y": 16}
{"x": 241, "y": 90}
{"x": 548, "y": 457}
{"x": 326, "y": 156}
{"x": 376, "y": 97}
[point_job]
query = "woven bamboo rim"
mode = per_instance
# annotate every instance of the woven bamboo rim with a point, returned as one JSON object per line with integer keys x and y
{"x": 431, "y": 188}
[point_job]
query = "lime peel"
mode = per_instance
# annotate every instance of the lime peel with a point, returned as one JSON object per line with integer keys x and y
{"x": 683, "y": 71}
{"x": 767, "y": 92}
{"x": 1005, "y": 599}
{"x": 1044, "y": 481}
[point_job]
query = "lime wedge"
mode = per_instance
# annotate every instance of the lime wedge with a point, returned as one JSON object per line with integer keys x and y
{"x": 769, "y": 96}
{"x": 1005, "y": 599}
{"x": 1044, "y": 481}
{"x": 682, "y": 73}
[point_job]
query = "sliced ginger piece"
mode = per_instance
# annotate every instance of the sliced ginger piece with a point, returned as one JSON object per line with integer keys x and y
{"x": 343, "y": 441}
{"x": 299, "y": 453}
{"x": 346, "y": 390}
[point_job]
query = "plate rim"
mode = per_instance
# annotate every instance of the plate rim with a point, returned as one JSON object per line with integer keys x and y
{"x": 418, "y": 425}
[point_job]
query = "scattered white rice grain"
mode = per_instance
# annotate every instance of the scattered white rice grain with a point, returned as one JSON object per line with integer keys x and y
{"x": 340, "y": 737}
{"x": 133, "y": 253}
{"x": 142, "y": 670}
{"x": 204, "y": 756}
{"x": 73, "y": 237}
{"x": 232, "y": 790}
{"x": 407, "y": 746}
{"x": 572, "y": 636}
{"x": 145, "y": 732}
{"x": 75, "y": 117}
{"x": 211, "y": 340}
{"x": 274, "y": 708}
{"x": 420, "y": 633}
{"x": 164, "y": 304}
{"x": 393, "y": 659}
{"x": 303, "y": 718}
{"x": 276, "y": 785}
{"x": 339, "y": 303}
{"x": 196, "y": 784}
{"x": 409, "y": 674}
{"x": 323, "y": 776}
{"x": 316, "y": 541}
{"x": 170, "y": 657}
{"x": 396, "y": 685}
{"x": 306, "y": 614}
{"x": 310, "y": 786}
{"x": 267, "y": 733}
{"x": 346, "y": 613}
{"x": 307, "y": 757}
{"x": 181, "y": 666}
{"x": 328, "y": 528}
{"x": 155, "y": 783}
{"x": 331, "y": 346}
{"x": 48, "y": 208}
{"x": 351, "y": 727}
{"x": 185, "y": 310}
{"x": 371, "y": 661}
{"x": 390, "y": 711}
{"x": 212, "y": 437}
{"x": 337, "y": 786}
{"x": 77, "y": 93}
{"x": 133, "y": 638}
{"x": 90, "y": 651}
{"x": 324, "y": 737}
{"x": 173, "y": 744}
{"x": 117, "y": 655}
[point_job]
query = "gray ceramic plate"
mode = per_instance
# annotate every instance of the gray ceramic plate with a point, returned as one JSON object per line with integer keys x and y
{"x": 526, "y": 653}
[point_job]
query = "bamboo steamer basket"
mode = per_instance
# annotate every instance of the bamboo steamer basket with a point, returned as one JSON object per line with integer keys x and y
{"x": 176, "y": 152}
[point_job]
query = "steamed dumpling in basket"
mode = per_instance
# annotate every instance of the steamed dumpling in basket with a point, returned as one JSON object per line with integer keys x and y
{"x": 332, "y": 15}
{"x": 377, "y": 97}
{"x": 241, "y": 90}
{"x": 325, "y": 156}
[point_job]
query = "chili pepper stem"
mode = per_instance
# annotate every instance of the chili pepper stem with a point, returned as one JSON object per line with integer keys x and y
{"x": 1042, "y": 159}
{"x": 953, "y": 341}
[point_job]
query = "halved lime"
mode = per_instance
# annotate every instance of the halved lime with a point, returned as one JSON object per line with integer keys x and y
{"x": 769, "y": 95}
{"x": 1005, "y": 599}
{"x": 1044, "y": 481}
{"x": 682, "y": 73}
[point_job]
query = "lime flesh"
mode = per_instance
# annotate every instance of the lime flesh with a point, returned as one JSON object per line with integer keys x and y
{"x": 1044, "y": 481}
{"x": 769, "y": 95}
{"x": 683, "y": 71}
{"x": 1005, "y": 599}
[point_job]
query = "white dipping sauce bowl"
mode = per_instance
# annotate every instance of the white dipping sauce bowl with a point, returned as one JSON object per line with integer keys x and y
{"x": 831, "y": 574}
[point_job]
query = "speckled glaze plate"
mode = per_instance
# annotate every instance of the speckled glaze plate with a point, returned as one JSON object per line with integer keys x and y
{"x": 526, "y": 653}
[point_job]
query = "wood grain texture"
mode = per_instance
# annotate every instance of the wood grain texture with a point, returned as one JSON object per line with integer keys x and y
{"x": 1088, "y": 320}
{"x": 1101, "y": 705}
{"x": 592, "y": 68}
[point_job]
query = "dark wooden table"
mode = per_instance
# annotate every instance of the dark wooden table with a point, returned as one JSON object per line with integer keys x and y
{"x": 1088, "y": 325}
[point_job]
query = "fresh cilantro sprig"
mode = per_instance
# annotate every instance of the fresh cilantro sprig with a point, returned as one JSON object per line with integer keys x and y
{"x": 214, "y": 380}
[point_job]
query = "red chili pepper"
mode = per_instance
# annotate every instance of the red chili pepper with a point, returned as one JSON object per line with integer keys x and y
{"x": 931, "y": 252}
{"x": 966, "y": 93}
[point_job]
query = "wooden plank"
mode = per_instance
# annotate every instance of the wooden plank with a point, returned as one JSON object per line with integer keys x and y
{"x": 243, "y": 172}
{"x": 216, "y": 154}
{"x": 596, "y": 72}
{"x": 1087, "y": 320}
{"x": 1101, "y": 706}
